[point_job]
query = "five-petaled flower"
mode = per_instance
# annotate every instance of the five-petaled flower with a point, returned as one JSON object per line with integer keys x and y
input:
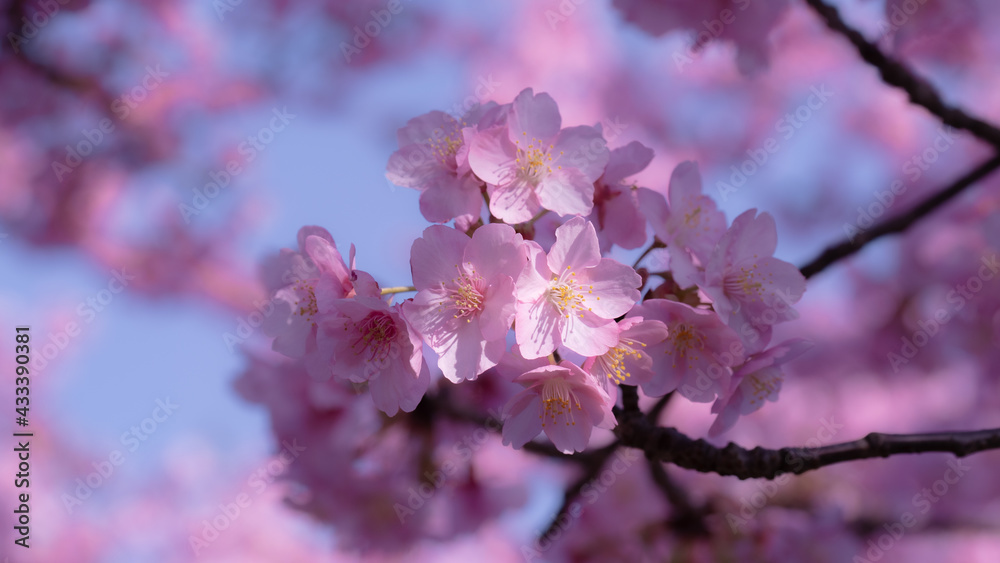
{"x": 432, "y": 158}
{"x": 368, "y": 341}
{"x": 629, "y": 360}
{"x": 561, "y": 400}
{"x": 696, "y": 356}
{"x": 316, "y": 276}
{"x": 756, "y": 381}
{"x": 747, "y": 285}
{"x": 465, "y": 304}
{"x": 571, "y": 296}
{"x": 530, "y": 162}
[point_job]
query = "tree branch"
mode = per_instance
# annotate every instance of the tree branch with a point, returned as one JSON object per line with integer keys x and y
{"x": 688, "y": 519}
{"x": 895, "y": 73}
{"x": 593, "y": 467}
{"x": 670, "y": 445}
{"x": 899, "y": 223}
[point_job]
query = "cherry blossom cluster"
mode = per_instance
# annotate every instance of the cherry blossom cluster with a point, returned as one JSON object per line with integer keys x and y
{"x": 487, "y": 289}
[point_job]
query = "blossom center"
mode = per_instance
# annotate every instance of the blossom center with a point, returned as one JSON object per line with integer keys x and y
{"x": 747, "y": 281}
{"x": 691, "y": 218}
{"x": 559, "y": 400}
{"x": 685, "y": 339}
{"x": 762, "y": 388}
{"x": 445, "y": 149}
{"x": 467, "y": 294}
{"x": 534, "y": 162}
{"x": 568, "y": 295}
{"x": 613, "y": 361}
{"x": 307, "y": 306}
{"x": 376, "y": 334}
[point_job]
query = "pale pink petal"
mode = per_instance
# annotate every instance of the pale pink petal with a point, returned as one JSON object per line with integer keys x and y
{"x": 327, "y": 258}
{"x": 492, "y": 156}
{"x": 521, "y": 421}
{"x": 451, "y": 197}
{"x": 587, "y": 334}
{"x": 626, "y": 161}
{"x": 499, "y": 310}
{"x": 566, "y": 192}
{"x": 534, "y": 116}
{"x": 536, "y": 328}
{"x": 616, "y": 285}
{"x": 569, "y": 435}
{"x": 582, "y": 148}
{"x": 435, "y": 255}
{"x": 622, "y": 222}
{"x": 514, "y": 203}
{"x": 576, "y": 247}
{"x": 496, "y": 250}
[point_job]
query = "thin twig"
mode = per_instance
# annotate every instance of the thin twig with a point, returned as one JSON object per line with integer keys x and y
{"x": 900, "y": 223}
{"x": 895, "y": 73}
{"x": 573, "y": 491}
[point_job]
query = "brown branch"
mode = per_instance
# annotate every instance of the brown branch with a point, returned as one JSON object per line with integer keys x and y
{"x": 895, "y": 73}
{"x": 900, "y": 223}
{"x": 688, "y": 519}
{"x": 670, "y": 445}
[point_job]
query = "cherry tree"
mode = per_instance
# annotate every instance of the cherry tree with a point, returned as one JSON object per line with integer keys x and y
{"x": 602, "y": 315}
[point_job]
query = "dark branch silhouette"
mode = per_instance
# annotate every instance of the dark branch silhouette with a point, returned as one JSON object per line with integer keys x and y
{"x": 591, "y": 470}
{"x": 899, "y": 223}
{"x": 895, "y": 73}
{"x": 921, "y": 93}
{"x": 670, "y": 445}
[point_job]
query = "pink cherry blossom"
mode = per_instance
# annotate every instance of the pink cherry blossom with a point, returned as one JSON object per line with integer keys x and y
{"x": 691, "y": 225}
{"x": 571, "y": 296}
{"x": 465, "y": 303}
{"x": 756, "y": 381}
{"x": 530, "y": 162}
{"x": 369, "y": 341}
{"x": 629, "y": 361}
{"x": 748, "y": 286}
{"x": 696, "y": 356}
{"x": 563, "y": 401}
{"x": 305, "y": 285}
{"x": 616, "y": 213}
{"x": 431, "y": 158}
